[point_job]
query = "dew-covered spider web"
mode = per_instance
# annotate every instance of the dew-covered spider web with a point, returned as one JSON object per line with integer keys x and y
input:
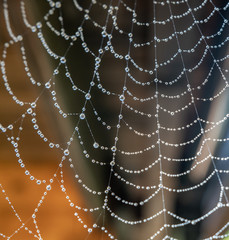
{"x": 130, "y": 98}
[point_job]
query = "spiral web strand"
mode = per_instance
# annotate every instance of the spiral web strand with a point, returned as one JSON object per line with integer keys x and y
{"x": 145, "y": 105}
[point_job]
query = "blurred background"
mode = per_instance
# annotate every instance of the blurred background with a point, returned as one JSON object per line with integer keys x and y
{"x": 55, "y": 217}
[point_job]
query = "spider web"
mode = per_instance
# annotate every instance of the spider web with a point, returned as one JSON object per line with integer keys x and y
{"x": 143, "y": 87}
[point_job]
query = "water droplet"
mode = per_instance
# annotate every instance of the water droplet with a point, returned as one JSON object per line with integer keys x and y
{"x": 33, "y": 105}
{"x": 122, "y": 98}
{"x": 48, "y": 187}
{"x": 58, "y": 4}
{"x": 38, "y": 182}
{"x": 95, "y": 145}
{"x": 51, "y": 145}
{"x": 29, "y": 110}
{"x": 19, "y": 38}
{"x": 10, "y": 127}
{"x": 34, "y": 29}
{"x": 56, "y": 71}
{"x": 127, "y": 57}
{"x": 88, "y": 96}
{"x": 47, "y": 85}
{"x": 113, "y": 149}
{"x": 39, "y": 25}
{"x": 66, "y": 152}
{"x": 97, "y": 60}
{"x": 82, "y": 116}
{"x": 112, "y": 163}
{"x": 74, "y": 87}
{"x": 62, "y": 60}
